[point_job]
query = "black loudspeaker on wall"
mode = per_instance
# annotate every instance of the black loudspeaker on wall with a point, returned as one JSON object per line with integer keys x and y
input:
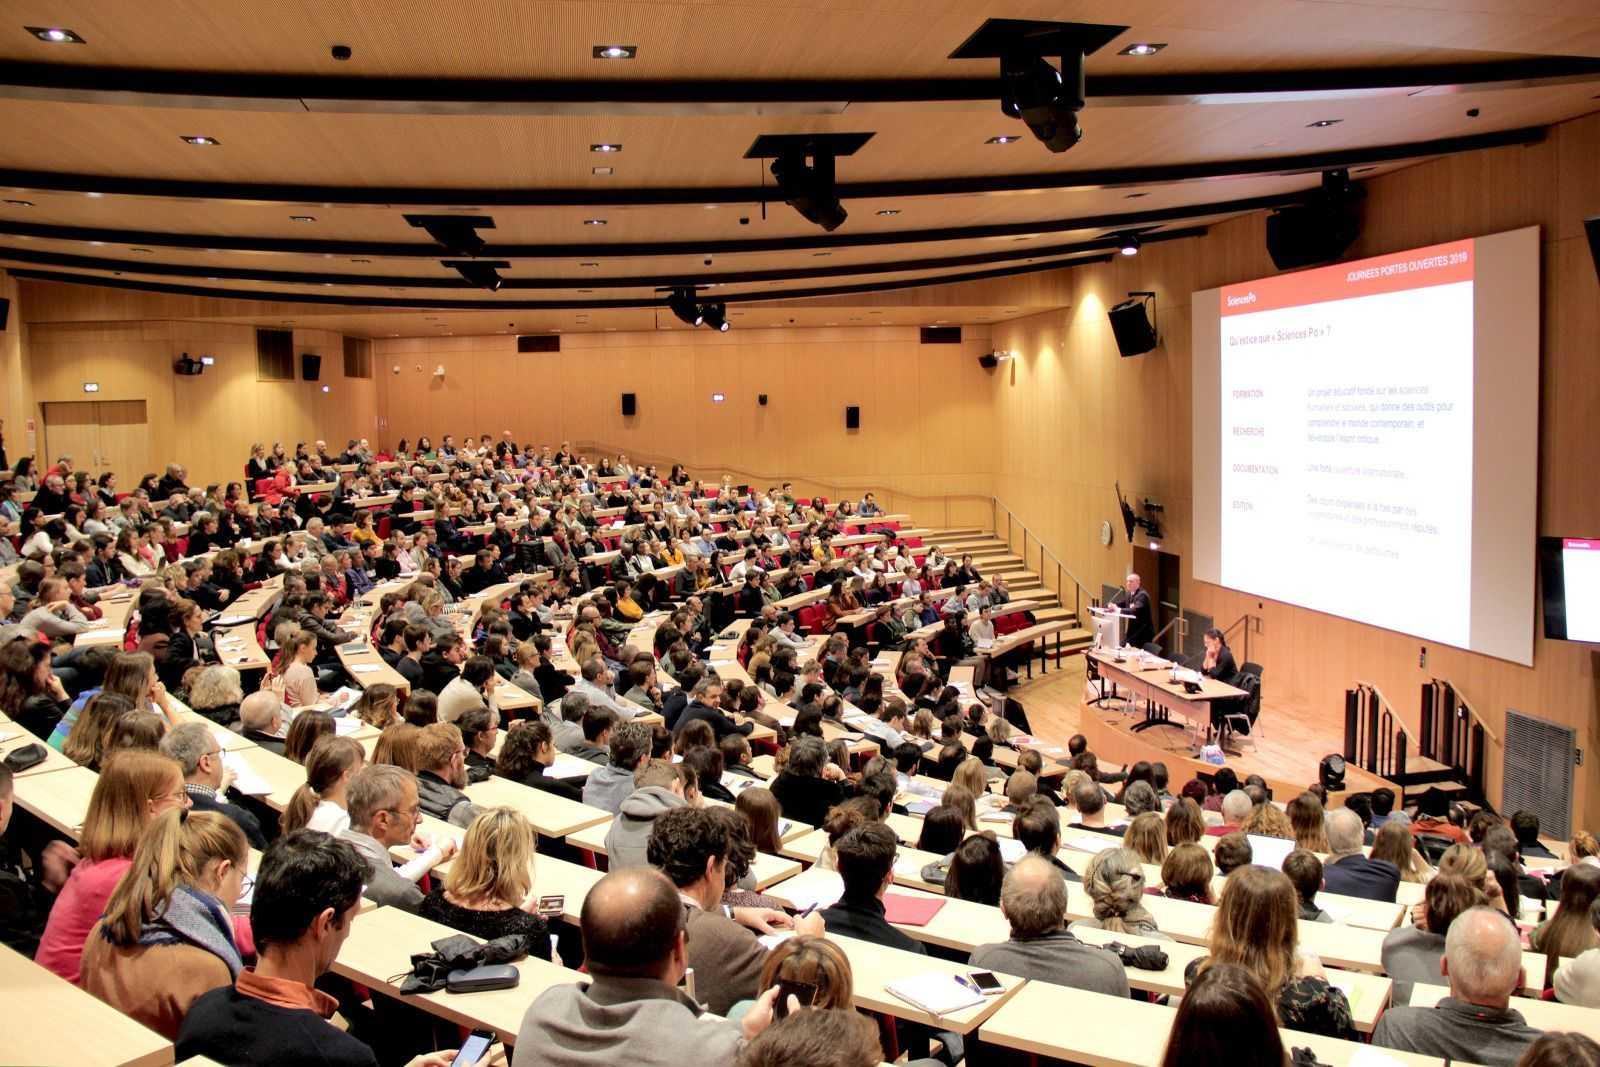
{"x": 852, "y": 418}
{"x": 629, "y": 407}
{"x": 1131, "y": 325}
{"x": 761, "y": 398}
{"x": 988, "y": 361}
{"x": 5, "y": 313}
{"x": 536, "y": 342}
{"x": 310, "y": 366}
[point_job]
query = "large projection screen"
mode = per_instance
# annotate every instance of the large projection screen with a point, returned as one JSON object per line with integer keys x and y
{"x": 1366, "y": 440}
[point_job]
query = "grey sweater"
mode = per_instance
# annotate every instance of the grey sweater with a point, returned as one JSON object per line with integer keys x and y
{"x": 637, "y": 1021}
{"x": 383, "y": 886}
{"x": 608, "y": 787}
{"x": 629, "y": 834}
{"x": 1458, "y": 1030}
{"x": 1058, "y": 958}
{"x": 1411, "y": 956}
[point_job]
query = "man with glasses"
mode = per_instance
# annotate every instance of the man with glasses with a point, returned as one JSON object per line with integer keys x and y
{"x": 384, "y": 813}
{"x": 206, "y": 779}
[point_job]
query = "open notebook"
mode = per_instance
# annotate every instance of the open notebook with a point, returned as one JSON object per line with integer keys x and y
{"x": 935, "y": 993}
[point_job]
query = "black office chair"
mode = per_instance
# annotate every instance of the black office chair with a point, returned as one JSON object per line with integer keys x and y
{"x": 1153, "y": 648}
{"x": 1243, "y": 717}
{"x": 1432, "y": 847}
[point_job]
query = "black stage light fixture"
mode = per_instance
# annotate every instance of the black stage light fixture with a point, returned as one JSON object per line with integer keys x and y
{"x": 1331, "y": 772}
{"x": 681, "y": 303}
{"x": 804, "y": 167}
{"x": 484, "y": 273}
{"x": 1045, "y": 97}
{"x": 1321, "y": 227}
{"x": 457, "y": 233}
{"x": 187, "y": 365}
{"x": 716, "y": 316}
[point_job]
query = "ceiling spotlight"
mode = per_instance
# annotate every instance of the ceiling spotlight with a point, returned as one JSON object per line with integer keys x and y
{"x": 607, "y": 146}
{"x": 1128, "y": 244}
{"x": 594, "y": 222}
{"x": 1321, "y": 124}
{"x": 616, "y": 51}
{"x": 1143, "y": 48}
{"x": 603, "y": 172}
{"x": 1004, "y": 138}
{"x": 199, "y": 139}
{"x": 1047, "y": 99}
{"x": 681, "y": 303}
{"x": 716, "y": 316}
{"x": 302, "y": 218}
{"x": 458, "y": 233}
{"x": 811, "y": 190}
{"x": 480, "y": 272}
{"x": 889, "y": 211}
{"x": 54, "y": 34}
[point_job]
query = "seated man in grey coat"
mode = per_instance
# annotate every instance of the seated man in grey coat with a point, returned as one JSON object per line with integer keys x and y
{"x": 1033, "y": 899}
{"x": 631, "y": 1010}
{"x": 384, "y": 812}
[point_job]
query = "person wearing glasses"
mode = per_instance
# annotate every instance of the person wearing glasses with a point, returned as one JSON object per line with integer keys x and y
{"x": 384, "y": 812}
{"x": 206, "y": 779}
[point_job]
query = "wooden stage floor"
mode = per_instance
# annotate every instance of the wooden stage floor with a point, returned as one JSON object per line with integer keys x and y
{"x": 1287, "y": 752}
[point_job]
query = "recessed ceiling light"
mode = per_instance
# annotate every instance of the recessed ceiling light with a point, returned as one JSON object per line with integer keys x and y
{"x": 54, "y": 34}
{"x": 1363, "y": 170}
{"x": 302, "y": 218}
{"x": 97, "y": 244}
{"x": 1143, "y": 48}
{"x": 1135, "y": 196}
{"x": 588, "y": 264}
{"x": 594, "y": 222}
{"x": 605, "y": 146}
{"x": 1004, "y": 138}
{"x": 1323, "y": 123}
{"x": 603, "y": 172}
{"x": 1128, "y": 245}
{"x": 889, "y": 211}
{"x": 20, "y": 203}
{"x": 585, "y": 291}
{"x": 616, "y": 51}
{"x": 199, "y": 139}
{"x": 94, "y": 196}
{"x": 361, "y": 261}
{"x": 819, "y": 255}
{"x": 142, "y": 251}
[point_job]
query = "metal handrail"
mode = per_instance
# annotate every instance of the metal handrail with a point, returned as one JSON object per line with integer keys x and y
{"x": 1394, "y": 713}
{"x": 1080, "y": 592}
{"x": 1245, "y": 620}
{"x": 1464, "y": 702}
{"x": 1183, "y": 631}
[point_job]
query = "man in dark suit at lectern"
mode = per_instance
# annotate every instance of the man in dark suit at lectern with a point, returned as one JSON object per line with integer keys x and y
{"x": 1136, "y": 602}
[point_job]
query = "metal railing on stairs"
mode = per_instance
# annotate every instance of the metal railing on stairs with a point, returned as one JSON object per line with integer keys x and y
{"x": 1251, "y": 624}
{"x": 1081, "y": 594}
{"x": 1453, "y": 733}
{"x": 1375, "y": 735}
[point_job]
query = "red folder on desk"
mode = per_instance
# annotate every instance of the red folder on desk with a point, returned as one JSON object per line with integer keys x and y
{"x": 910, "y": 911}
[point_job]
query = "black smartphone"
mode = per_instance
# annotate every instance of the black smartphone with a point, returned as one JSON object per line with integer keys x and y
{"x": 803, "y": 992}
{"x": 986, "y": 982}
{"x": 473, "y": 1048}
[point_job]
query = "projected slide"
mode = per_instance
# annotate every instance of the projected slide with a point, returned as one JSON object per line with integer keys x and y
{"x": 1580, "y": 564}
{"x": 1365, "y": 440}
{"x": 1347, "y": 438}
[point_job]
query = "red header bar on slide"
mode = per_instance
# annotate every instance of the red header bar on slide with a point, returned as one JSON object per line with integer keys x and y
{"x": 1417, "y": 269}
{"x": 1572, "y": 544}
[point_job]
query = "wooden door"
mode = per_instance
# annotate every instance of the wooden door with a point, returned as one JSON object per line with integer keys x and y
{"x": 99, "y": 435}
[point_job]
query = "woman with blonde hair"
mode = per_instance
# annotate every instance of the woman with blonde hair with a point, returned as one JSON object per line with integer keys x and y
{"x": 167, "y": 935}
{"x": 961, "y": 799}
{"x": 1114, "y": 881}
{"x": 86, "y": 740}
{"x": 1185, "y": 823}
{"x": 1267, "y": 821}
{"x": 1307, "y": 820}
{"x": 320, "y": 803}
{"x": 489, "y": 890}
{"x": 1257, "y": 927}
{"x": 398, "y": 746}
{"x": 815, "y": 962}
{"x": 378, "y": 706}
{"x": 1398, "y": 847}
{"x": 132, "y": 675}
{"x": 216, "y": 693}
{"x": 1147, "y": 835}
{"x": 1584, "y": 848}
{"x": 133, "y": 788}
{"x": 970, "y": 775}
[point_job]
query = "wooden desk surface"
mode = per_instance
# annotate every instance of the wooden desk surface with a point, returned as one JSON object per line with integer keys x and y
{"x": 52, "y": 1021}
{"x": 282, "y": 773}
{"x": 551, "y": 815}
{"x": 1543, "y": 1014}
{"x": 1130, "y": 1033}
{"x": 1158, "y": 679}
{"x": 767, "y": 869}
{"x": 16, "y": 737}
{"x": 59, "y": 798}
{"x": 875, "y": 966}
{"x": 380, "y": 945}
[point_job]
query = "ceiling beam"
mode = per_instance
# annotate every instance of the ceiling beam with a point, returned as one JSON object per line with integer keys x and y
{"x": 300, "y": 93}
{"x": 483, "y": 199}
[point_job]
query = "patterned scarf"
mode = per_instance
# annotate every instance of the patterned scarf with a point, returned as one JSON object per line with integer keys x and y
{"x": 192, "y": 918}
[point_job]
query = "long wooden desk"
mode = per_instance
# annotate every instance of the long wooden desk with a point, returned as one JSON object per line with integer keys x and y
{"x": 873, "y": 967}
{"x": 59, "y": 798}
{"x": 551, "y": 815}
{"x": 1154, "y": 685}
{"x": 1543, "y": 1014}
{"x": 767, "y": 869}
{"x": 51, "y": 1021}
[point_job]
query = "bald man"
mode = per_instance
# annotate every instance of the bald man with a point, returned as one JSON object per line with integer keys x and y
{"x": 1475, "y": 1023}
{"x": 1133, "y": 600}
{"x": 1033, "y": 899}
{"x": 632, "y": 1010}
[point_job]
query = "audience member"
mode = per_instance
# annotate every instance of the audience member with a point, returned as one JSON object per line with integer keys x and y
{"x": 1225, "y": 1020}
{"x": 1034, "y": 902}
{"x": 384, "y": 812}
{"x": 1350, "y": 873}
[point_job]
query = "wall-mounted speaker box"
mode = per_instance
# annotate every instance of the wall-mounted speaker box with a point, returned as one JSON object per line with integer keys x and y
{"x": 941, "y": 335}
{"x": 761, "y": 398}
{"x": 1131, "y": 326}
{"x": 629, "y": 406}
{"x": 539, "y": 342}
{"x": 310, "y": 366}
{"x": 988, "y": 361}
{"x": 5, "y": 313}
{"x": 852, "y": 418}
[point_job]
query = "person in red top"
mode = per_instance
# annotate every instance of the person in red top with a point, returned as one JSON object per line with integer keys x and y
{"x": 1236, "y": 808}
{"x": 1440, "y": 818}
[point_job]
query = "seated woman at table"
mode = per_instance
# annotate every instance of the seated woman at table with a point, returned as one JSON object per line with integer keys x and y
{"x": 307, "y": 728}
{"x": 134, "y": 788}
{"x": 183, "y": 651}
{"x": 976, "y": 870}
{"x": 291, "y": 675}
{"x": 1225, "y": 1020}
{"x": 1257, "y": 927}
{"x": 378, "y": 706}
{"x": 320, "y": 803}
{"x": 1114, "y": 881}
{"x": 85, "y": 744}
{"x": 1186, "y": 874}
{"x": 167, "y": 935}
{"x": 216, "y": 693}
{"x": 489, "y": 890}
